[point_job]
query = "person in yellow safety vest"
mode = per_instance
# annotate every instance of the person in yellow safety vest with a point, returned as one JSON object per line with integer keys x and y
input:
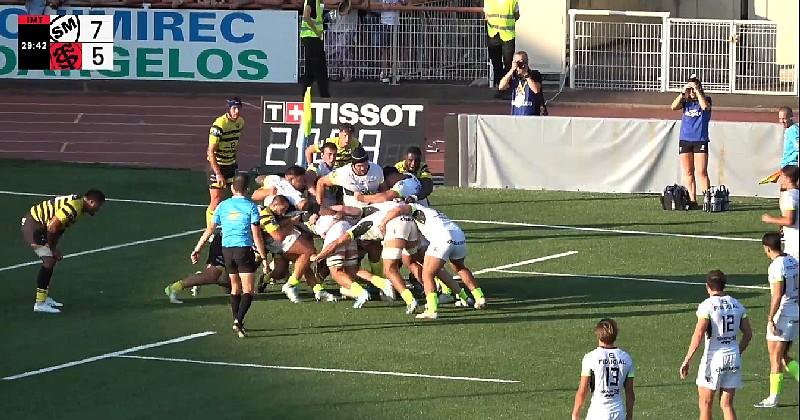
{"x": 501, "y": 17}
{"x": 312, "y": 38}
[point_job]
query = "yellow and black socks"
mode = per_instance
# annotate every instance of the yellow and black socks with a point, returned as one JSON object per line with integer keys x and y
{"x": 41, "y": 295}
{"x": 177, "y": 286}
{"x": 478, "y": 293}
{"x": 43, "y": 283}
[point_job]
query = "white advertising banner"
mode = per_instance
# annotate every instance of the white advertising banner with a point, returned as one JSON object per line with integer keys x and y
{"x": 610, "y": 154}
{"x": 179, "y": 45}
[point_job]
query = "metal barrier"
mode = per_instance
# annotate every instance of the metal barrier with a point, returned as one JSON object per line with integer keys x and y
{"x": 423, "y": 46}
{"x": 730, "y": 56}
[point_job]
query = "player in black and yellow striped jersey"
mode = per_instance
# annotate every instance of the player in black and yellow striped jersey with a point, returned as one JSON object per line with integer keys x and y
{"x": 413, "y": 164}
{"x": 42, "y": 228}
{"x": 223, "y": 144}
{"x": 345, "y": 144}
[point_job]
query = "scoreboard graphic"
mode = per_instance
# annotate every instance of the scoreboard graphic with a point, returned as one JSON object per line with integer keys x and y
{"x": 66, "y": 42}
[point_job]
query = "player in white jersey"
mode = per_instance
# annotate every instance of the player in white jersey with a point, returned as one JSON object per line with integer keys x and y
{"x": 789, "y": 211}
{"x": 343, "y": 263}
{"x": 397, "y": 186}
{"x": 400, "y": 234}
{"x": 361, "y": 176}
{"x": 447, "y": 242}
{"x": 719, "y": 319}
{"x": 606, "y": 371}
{"x": 292, "y": 186}
{"x": 324, "y": 167}
{"x": 783, "y": 318}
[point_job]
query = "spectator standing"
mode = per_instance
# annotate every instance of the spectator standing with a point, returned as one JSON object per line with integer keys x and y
{"x": 791, "y": 135}
{"x": 501, "y": 17}
{"x": 311, "y": 36}
{"x": 343, "y": 31}
{"x": 526, "y": 87}
{"x": 42, "y": 7}
{"x": 693, "y": 147}
{"x": 389, "y": 24}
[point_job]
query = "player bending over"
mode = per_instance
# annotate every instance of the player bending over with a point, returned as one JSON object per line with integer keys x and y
{"x": 43, "y": 227}
{"x": 447, "y": 244}
{"x": 400, "y": 233}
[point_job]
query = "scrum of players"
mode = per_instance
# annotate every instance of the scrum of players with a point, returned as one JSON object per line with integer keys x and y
{"x": 357, "y": 210}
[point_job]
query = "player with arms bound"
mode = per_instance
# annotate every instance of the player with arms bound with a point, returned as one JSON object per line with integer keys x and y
{"x": 605, "y": 372}
{"x": 782, "y": 319}
{"x": 43, "y": 227}
{"x": 414, "y": 165}
{"x": 719, "y": 319}
{"x": 223, "y": 144}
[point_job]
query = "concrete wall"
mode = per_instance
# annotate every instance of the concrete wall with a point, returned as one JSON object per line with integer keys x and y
{"x": 542, "y": 30}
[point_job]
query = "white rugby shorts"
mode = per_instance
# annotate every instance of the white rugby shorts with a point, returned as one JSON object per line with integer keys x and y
{"x": 786, "y": 329}
{"x": 451, "y": 247}
{"x": 720, "y": 370}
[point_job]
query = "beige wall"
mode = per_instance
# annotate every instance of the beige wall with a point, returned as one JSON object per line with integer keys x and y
{"x": 542, "y": 30}
{"x": 784, "y": 13}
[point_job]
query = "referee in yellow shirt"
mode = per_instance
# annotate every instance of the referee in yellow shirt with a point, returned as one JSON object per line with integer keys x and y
{"x": 42, "y": 228}
{"x": 223, "y": 144}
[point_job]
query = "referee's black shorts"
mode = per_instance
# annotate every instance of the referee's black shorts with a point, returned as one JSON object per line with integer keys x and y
{"x": 240, "y": 259}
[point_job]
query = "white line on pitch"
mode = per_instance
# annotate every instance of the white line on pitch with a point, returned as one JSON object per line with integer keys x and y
{"x": 643, "y": 279}
{"x": 108, "y": 355}
{"x": 621, "y": 232}
{"x": 108, "y": 248}
{"x": 492, "y": 222}
{"x": 312, "y": 369}
{"x": 78, "y": 118}
{"x": 526, "y": 262}
{"x": 121, "y": 200}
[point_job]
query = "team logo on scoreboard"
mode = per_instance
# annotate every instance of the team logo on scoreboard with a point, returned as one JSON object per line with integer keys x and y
{"x": 66, "y": 42}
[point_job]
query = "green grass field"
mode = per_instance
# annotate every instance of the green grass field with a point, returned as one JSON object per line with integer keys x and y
{"x": 536, "y": 330}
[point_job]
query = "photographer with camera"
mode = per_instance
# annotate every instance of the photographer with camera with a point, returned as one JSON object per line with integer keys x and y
{"x": 526, "y": 84}
{"x": 693, "y": 146}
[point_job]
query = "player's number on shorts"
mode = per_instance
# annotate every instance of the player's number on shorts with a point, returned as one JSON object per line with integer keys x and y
{"x": 727, "y": 324}
{"x": 612, "y": 376}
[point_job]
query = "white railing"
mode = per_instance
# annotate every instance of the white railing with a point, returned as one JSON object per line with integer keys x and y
{"x": 441, "y": 46}
{"x": 650, "y": 51}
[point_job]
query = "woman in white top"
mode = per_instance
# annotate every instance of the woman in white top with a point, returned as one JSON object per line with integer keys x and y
{"x": 605, "y": 372}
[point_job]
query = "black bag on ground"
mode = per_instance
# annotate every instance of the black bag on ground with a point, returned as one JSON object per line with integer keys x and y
{"x": 675, "y": 197}
{"x": 716, "y": 199}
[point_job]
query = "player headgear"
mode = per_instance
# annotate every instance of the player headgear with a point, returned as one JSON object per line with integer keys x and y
{"x": 234, "y": 102}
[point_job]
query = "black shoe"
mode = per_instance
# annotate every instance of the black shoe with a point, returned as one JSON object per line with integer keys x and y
{"x": 694, "y": 206}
